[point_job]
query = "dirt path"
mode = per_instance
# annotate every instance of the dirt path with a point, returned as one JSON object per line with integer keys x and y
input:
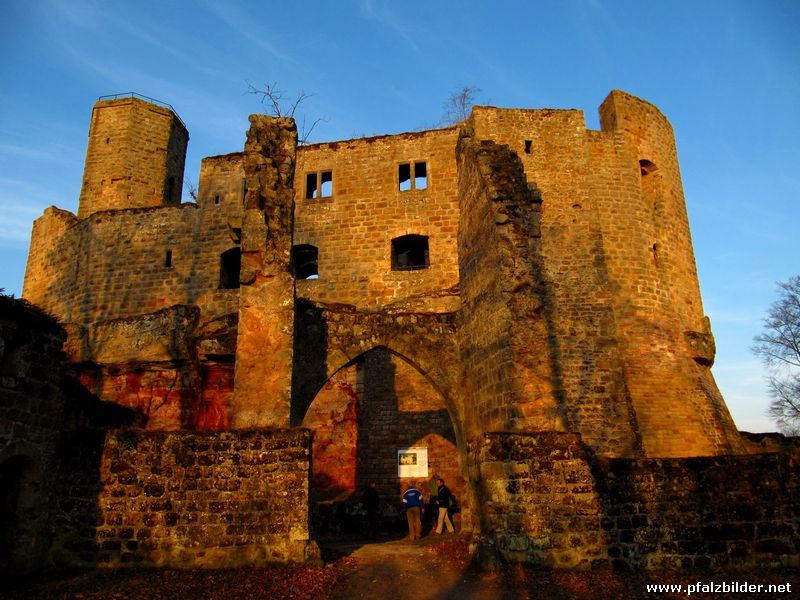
{"x": 431, "y": 568}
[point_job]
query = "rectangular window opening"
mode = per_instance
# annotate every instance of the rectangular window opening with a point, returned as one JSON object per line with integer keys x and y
{"x": 326, "y": 184}
{"x": 412, "y": 176}
{"x": 404, "y": 176}
{"x": 311, "y": 185}
{"x": 216, "y": 199}
{"x": 528, "y": 146}
{"x": 168, "y": 259}
{"x": 319, "y": 185}
{"x": 420, "y": 176}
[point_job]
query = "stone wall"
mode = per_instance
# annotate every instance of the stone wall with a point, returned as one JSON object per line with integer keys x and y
{"x": 172, "y": 370}
{"x": 31, "y": 415}
{"x": 263, "y": 371}
{"x": 129, "y": 262}
{"x": 509, "y": 368}
{"x": 715, "y": 513}
{"x": 184, "y": 499}
{"x": 135, "y": 156}
{"x": 587, "y": 374}
{"x": 354, "y": 227}
{"x": 541, "y": 503}
{"x": 551, "y": 502}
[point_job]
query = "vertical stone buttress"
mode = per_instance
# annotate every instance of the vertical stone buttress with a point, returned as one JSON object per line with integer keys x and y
{"x": 503, "y": 332}
{"x": 134, "y": 158}
{"x": 263, "y": 373}
{"x": 666, "y": 340}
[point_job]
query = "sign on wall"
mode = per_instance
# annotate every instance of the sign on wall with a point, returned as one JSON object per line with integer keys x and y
{"x": 412, "y": 462}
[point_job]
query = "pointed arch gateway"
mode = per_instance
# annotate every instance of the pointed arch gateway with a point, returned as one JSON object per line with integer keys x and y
{"x": 370, "y": 408}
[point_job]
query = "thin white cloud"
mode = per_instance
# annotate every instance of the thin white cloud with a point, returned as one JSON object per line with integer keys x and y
{"x": 18, "y": 209}
{"x": 381, "y": 12}
{"x": 50, "y": 153}
{"x": 243, "y": 26}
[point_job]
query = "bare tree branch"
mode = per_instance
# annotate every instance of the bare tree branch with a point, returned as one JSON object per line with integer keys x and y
{"x": 779, "y": 349}
{"x": 278, "y": 105}
{"x": 191, "y": 188}
{"x": 458, "y": 105}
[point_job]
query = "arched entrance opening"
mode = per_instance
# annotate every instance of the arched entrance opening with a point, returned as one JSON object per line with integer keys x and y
{"x": 20, "y": 517}
{"x": 366, "y": 415}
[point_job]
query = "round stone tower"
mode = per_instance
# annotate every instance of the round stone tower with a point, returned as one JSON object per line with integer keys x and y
{"x": 135, "y": 156}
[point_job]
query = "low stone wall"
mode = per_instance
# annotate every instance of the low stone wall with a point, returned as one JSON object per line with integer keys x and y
{"x": 540, "y": 501}
{"x": 183, "y": 499}
{"x": 31, "y": 410}
{"x": 702, "y": 512}
{"x": 550, "y": 502}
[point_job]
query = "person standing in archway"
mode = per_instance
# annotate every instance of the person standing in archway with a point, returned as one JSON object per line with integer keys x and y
{"x": 371, "y": 501}
{"x": 413, "y": 504}
{"x": 431, "y": 514}
{"x": 443, "y": 498}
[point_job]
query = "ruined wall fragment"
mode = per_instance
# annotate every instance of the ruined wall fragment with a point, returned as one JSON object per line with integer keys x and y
{"x": 508, "y": 369}
{"x": 266, "y": 304}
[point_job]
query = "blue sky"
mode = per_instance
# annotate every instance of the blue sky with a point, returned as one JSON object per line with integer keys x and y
{"x": 726, "y": 75}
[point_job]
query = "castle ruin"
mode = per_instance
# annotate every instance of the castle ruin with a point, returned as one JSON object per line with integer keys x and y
{"x": 513, "y": 300}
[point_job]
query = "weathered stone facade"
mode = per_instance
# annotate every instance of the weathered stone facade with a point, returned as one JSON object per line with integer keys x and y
{"x": 552, "y": 502}
{"x": 516, "y": 275}
{"x": 185, "y": 499}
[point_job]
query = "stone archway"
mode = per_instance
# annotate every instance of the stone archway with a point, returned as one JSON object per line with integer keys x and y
{"x": 368, "y": 409}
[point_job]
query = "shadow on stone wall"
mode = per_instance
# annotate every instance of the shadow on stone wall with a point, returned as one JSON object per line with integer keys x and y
{"x": 309, "y": 366}
{"x": 550, "y": 502}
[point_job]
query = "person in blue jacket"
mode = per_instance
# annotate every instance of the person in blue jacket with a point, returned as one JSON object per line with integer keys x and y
{"x": 413, "y": 505}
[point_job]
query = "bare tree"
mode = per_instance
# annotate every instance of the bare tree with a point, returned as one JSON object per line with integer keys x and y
{"x": 779, "y": 348}
{"x": 280, "y": 105}
{"x": 458, "y": 105}
{"x": 191, "y": 188}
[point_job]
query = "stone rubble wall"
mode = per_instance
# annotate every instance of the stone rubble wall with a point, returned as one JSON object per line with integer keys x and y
{"x": 180, "y": 499}
{"x": 31, "y": 415}
{"x": 263, "y": 371}
{"x": 549, "y": 501}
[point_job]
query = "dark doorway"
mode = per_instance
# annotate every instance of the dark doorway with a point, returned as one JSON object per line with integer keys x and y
{"x": 20, "y": 517}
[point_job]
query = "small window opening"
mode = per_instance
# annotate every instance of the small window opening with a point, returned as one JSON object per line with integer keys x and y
{"x": 326, "y": 184}
{"x": 420, "y": 176}
{"x": 646, "y": 167}
{"x": 419, "y": 180}
{"x": 528, "y": 146}
{"x": 319, "y": 185}
{"x": 216, "y": 199}
{"x": 230, "y": 264}
{"x": 410, "y": 252}
{"x": 168, "y": 259}
{"x": 311, "y": 185}
{"x": 404, "y": 173}
{"x": 108, "y": 140}
{"x": 305, "y": 261}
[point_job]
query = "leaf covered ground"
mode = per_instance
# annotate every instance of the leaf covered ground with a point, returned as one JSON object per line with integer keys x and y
{"x": 427, "y": 569}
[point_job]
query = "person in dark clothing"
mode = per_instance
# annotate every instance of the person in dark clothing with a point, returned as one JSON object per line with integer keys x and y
{"x": 371, "y": 501}
{"x": 431, "y": 514}
{"x": 413, "y": 505}
{"x": 443, "y": 499}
